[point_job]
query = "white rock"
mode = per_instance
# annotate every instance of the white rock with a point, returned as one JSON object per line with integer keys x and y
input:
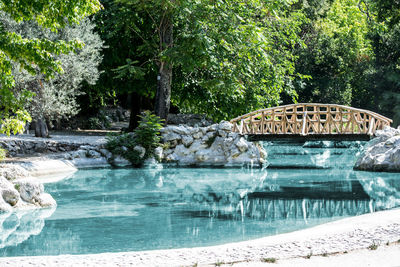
{"x": 187, "y": 140}
{"x": 158, "y": 153}
{"x": 196, "y": 148}
{"x": 382, "y": 153}
{"x": 168, "y": 151}
{"x": 212, "y": 128}
{"x": 180, "y": 129}
{"x": 202, "y": 155}
{"x": 12, "y": 171}
{"x": 46, "y": 200}
{"x": 198, "y": 135}
{"x": 242, "y": 145}
{"x": 208, "y": 136}
{"x": 29, "y": 189}
{"x": 120, "y": 162}
{"x": 81, "y": 153}
{"x": 93, "y": 154}
{"x": 170, "y": 136}
{"x": 222, "y": 133}
{"x": 141, "y": 150}
{"x": 225, "y": 126}
{"x": 105, "y": 153}
{"x": 7, "y": 192}
{"x": 10, "y": 195}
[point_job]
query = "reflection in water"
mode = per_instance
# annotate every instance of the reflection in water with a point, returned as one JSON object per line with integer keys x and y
{"x": 384, "y": 191}
{"x": 141, "y": 209}
{"x": 16, "y": 227}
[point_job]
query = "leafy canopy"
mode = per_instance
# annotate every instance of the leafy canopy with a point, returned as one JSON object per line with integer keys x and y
{"x": 228, "y": 57}
{"x": 34, "y": 54}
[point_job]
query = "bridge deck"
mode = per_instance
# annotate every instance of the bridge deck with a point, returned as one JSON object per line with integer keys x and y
{"x": 316, "y": 121}
{"x": 310, "y": 137}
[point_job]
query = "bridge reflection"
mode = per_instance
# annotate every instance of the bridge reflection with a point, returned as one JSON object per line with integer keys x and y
{"x": 362, "y": 193}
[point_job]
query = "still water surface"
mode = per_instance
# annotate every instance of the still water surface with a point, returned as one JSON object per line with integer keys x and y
{"x": 108, "y": 210}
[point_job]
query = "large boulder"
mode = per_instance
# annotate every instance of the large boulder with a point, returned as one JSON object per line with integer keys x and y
{"x": 19, "y": 190}
{"x": 214, "y": 145}
{"x": 381, "y": 153}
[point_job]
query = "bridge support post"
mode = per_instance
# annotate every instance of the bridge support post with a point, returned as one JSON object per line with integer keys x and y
{"x": 371, "y": 126}
{"x": 303, "y": 129}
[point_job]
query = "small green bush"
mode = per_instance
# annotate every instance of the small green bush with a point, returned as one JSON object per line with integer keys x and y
{"x": 148, "y": 132}
{"x": 94, "y": 123}
{"x": 3, "y": 154}
{"x": 373, "y": 246}
{"x": 269, "y": 260}
{"x": 147, "y": 135}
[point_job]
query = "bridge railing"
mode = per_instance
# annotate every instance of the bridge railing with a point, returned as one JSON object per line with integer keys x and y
{"x": 309, "y": 119}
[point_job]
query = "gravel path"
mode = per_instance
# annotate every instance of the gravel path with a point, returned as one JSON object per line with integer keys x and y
{"x": 61, "y": 137}
{"x": 336, "y": 237}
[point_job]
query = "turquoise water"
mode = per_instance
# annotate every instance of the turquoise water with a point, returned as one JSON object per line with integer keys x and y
{"x": 108, "y": 210}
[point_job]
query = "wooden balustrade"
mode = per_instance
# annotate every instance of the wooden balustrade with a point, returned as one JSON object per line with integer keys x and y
{"x": 310, "y": 119}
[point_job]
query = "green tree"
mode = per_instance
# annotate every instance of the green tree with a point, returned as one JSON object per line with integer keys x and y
{"x": 127, "y": 73}
{"x": 336, "y": 48}
{"x": 55, "y": 98}
{"x": 34, "y": 55}
{"x": 219, "y": 57}
{"x": 381, "y": 78}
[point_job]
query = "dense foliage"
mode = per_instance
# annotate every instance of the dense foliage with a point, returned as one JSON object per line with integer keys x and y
{"x": 222, "y": 58}
{"x": 222, "y": 52}
{"x": 55, "y": 98}
{"x": 34, "y": 54}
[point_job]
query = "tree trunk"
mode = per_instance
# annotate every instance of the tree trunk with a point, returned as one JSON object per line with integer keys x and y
{"x": 164, "y": 77}
{"x": 136, "y": 102}
{"x": 41, "y": 129}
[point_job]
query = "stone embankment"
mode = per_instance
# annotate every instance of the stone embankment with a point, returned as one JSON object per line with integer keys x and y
{"x": 19, "y": 190}
{"x": 382, "y": 153}
{"x": 214, "y": 145}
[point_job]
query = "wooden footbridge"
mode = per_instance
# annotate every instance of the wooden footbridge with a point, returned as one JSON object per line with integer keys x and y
{"x": 309, "y": 121}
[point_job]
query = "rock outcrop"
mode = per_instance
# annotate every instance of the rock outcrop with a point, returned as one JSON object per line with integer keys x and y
{"x": 19, "y": 190}
{"x": 381, "y": 153}
{"x": 214, "y": 145}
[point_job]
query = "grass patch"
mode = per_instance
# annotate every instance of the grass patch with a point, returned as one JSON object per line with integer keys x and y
{"x": 269, "y": 260}
{"x": 373, "y": 246}
{"x": 17, "y": 187}
{"x": 308, "y": 256}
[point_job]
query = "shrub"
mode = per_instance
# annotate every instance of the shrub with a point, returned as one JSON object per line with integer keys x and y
{"x": 3, "y": 154}
{"x": 148, "y": 132}
{"x": 269, "y": 260}
{"x": 94, "y": 123}
{"x": 147, "y": 135}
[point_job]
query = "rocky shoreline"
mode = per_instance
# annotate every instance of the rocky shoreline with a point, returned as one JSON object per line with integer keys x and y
{"x": 382, "y": 153}
{"x": 215, "y": 145}
{"x": 19, "y": 190}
